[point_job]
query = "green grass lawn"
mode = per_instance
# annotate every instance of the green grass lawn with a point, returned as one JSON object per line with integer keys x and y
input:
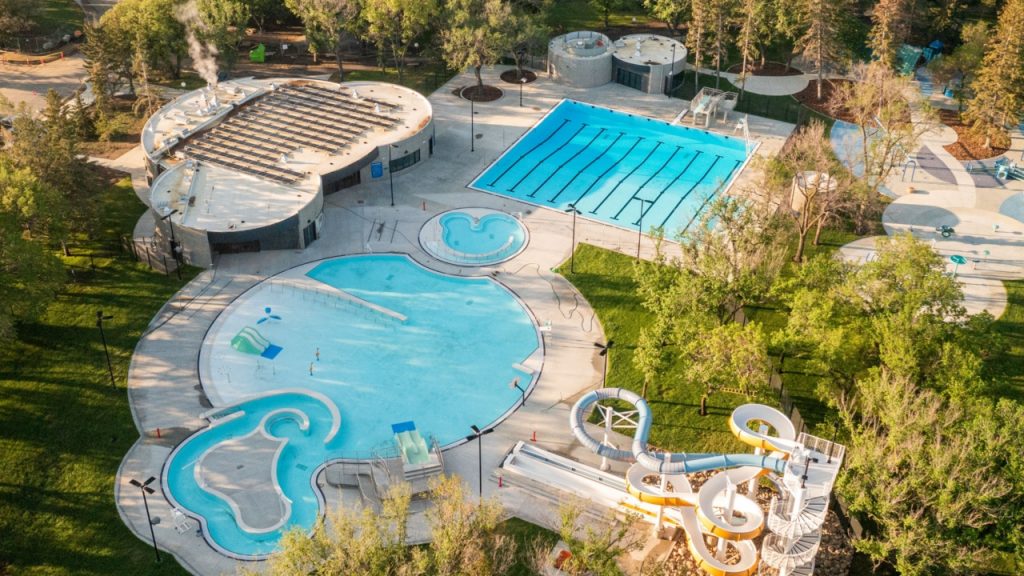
{"x": 1008, "y": 367}
{"x": 57, "y": 16}
{"x": 423, "y": 79}
{"x": 605, "y": 278}
{"x": 63, "y": 430}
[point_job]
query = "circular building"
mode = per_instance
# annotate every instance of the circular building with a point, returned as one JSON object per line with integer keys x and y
{"x": 244, "y": 166}
{"x": 647, "y": 62}
{"x": 581, "y": 59}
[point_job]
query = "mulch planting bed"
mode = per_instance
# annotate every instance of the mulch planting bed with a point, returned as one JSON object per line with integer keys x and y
{"x": 971, "y": 146}
{"x": 769, "y": 69}
{"x": 512, "y": 76}
{"x": 483, "y": 93}
{"x": 829, "y": 93}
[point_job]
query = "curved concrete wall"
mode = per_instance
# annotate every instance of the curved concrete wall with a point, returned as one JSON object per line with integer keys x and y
{"x": 581, "y": 59}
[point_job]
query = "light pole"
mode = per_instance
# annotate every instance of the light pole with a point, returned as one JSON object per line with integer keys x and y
{"x": 672, "y": 70}
{"x": 605, "y": 351}
{"x": 145, "y": 489}
{"x": 99, "y": 324}
{"x": 640, "y": 230}
{"x": 391, "y": 174}
{"x": 477, "y": 433}
{"x": 174, "y": 241}
{"x": 514, "y": 384}
{"x": 472, "y": 121}
{"x": 572, "y": 249}
{"x": 522, "y": 82}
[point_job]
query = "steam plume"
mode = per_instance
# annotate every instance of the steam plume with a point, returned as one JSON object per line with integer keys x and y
{"x": 203, "y": 54}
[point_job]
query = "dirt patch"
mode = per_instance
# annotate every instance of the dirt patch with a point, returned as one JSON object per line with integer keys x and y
{"x": 108, "y": 150}
{"x": 769, "y": 69}
{"x": 969, "y": 145}
{"x": 512, "y": 76}
{"x": 485, "y": 93}
{"x": 829, "y": 96}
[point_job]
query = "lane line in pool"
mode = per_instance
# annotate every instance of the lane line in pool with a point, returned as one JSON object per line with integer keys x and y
{"x": 670, "y": 184}
{"x": 553, "y": 152}
{"x": 600, "y": 177}
{"x": 646, "y": 182}
{"x": 563, "y": 164}
{"x": 584, "y": 169}
{"x": 721, "y": 185}
{"x": 626, "y": 177}
{"x": 528, "y": 152}
{"x": 687, "y": 194}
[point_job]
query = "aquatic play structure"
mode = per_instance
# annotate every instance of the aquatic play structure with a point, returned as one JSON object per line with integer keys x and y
{"x": 802, "y": 468}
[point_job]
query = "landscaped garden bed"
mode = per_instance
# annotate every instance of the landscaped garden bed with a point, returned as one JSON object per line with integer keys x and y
{"x": 970, "y": 145}
{"x": 768, "y": 69}
{"x": 829, "y": 95}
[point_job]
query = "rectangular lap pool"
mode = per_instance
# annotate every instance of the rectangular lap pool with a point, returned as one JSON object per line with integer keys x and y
{"x": 609, "y": 164}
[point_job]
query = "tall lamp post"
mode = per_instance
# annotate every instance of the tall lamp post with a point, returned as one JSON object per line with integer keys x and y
{"x": 476, "y": 435}
{"x": 472, "y": 121}
{"x": 145, "y": 489}
{"x": 99, "y": 324}
{"x": 522, "y": 82}
{"x": 174, "y": 241}
{"x": 514, "y": 384}
{"x": 640, "y": 230}
{"x": 572, "y": 249}
{"x": 605, "y": 351}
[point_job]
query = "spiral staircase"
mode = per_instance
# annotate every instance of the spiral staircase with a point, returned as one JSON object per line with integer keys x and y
{"x": 795, "y": 516}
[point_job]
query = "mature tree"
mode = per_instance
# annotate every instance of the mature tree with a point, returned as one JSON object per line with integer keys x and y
{"x": 263, "y": 11}
{"x": 960, "y": 68}
{"x": 899, "y": 311}
{"x": 528, "y": 32}
{"x": 752, "y": 19}
{"x": 730, "y": 259}
{"x": 394, "y": 25}
{"x": 890, "y": 27}
{"x": 326, "y": 22}
{"x": 720, "y": 12}
{"x": 224, "y": 23}
{"x": 938, "y": 476}
{"x": 891, "y": 118}
{"x": 30, "y": 273}
{"x": 476, "y": 34}
{"x": 595, "y": 549}
{"x": 671, "y": 12}
{"x": 605, "y": 8}
{"x": 787, "y": 25}
{"x": 824, "y": 188}
{"x": 821, "y": 42}
{"x": 697, "y": 35}
{"x": 999, "y": 90}
{"x": 16, "y": 17}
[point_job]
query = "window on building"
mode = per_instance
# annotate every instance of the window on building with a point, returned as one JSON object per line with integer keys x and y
{"x": 404, "y": 162}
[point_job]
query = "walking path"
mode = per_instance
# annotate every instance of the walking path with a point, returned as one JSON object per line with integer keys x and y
{"x": 167, "y": 397}
{"x": 986, "y": 214}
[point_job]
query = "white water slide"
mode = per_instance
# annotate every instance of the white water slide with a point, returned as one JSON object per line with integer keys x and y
{"x": 716, "y": 508}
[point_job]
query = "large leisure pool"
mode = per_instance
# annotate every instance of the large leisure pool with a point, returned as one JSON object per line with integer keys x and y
{"x": 610, "y": 165}
{"x": 329, "y": 356}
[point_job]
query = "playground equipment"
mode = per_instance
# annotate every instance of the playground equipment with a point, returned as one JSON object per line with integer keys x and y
{"x": 250, "y": 341}
{"x": 802, "y": 467}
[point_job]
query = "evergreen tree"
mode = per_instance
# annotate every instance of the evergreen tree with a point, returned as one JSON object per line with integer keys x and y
{"x": 999, "y": 88}
{"x": 821, "y": 42}
{"x": 890, "y": 27}
{"x": 671, "y": 12}
{"x": 697, "y": 35}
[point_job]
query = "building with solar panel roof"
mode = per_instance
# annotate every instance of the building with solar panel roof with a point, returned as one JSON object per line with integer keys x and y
{"x": 244, "y": 166}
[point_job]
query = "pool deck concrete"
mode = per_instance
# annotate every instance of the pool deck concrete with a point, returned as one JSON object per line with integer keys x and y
{"x": 167, "y": 397}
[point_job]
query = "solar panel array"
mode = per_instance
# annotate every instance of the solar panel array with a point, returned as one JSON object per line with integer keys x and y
{"x": 254, "y": 138}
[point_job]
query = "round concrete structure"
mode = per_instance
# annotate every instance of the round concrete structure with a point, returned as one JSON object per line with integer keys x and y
{"x": 244, "y": 166}
{"x": 582, "y": 59}
{"x": 647, "y": 62}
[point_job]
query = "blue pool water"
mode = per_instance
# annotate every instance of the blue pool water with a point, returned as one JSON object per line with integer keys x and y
{"x": 491, "y": 238}
{"x": 605, "y": 162}
{"x": 447, "y": 366}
